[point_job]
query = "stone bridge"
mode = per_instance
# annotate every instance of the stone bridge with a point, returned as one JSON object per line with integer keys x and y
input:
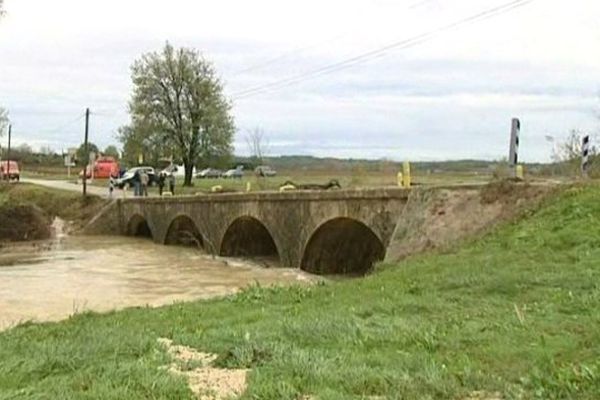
{"x": 340, "y": 231}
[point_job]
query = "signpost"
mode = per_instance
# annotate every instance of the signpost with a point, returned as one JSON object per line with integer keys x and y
{"x": 585, "y": 155}
{"x": 513, "y": 155}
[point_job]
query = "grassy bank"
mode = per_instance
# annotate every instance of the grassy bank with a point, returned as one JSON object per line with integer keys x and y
{"x": 27, "y": 210}
{"x": 56, "y": 203}
{"x": 516, "y": 312}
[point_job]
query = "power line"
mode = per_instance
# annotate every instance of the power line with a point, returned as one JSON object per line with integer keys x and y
{"x": 287, "y": 54}
{"x": 402, "y": 44}
{"x": 65, "y": 125}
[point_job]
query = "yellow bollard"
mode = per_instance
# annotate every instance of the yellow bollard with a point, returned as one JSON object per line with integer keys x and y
{"x": 399, "y": 177}
{"x": 406, "y": 174}
{"x": 248, "y": 186}
{"x": 519, "y": 172}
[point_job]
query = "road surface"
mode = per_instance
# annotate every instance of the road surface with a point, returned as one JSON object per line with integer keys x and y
{"x": 74, "y": 187}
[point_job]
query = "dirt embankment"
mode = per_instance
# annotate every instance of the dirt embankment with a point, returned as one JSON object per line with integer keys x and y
{"x": 27, "y": 211}
{"x": 439, "y": 218}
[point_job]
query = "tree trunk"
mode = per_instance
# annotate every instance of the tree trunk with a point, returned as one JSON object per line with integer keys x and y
{"x": 189, "y": 170}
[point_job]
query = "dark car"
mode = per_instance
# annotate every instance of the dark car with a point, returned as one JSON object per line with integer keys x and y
{"x": 127, "y": 178}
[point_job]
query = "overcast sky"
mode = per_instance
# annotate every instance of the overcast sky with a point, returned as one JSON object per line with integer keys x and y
{"x": 450, "y": 97}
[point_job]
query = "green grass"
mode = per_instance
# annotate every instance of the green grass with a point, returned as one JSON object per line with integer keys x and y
{"x": 516, "y": 312}
{"x": 65, "y": 204}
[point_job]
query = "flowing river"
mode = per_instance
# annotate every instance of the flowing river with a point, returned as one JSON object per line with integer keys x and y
{"x": 53, "y": 279}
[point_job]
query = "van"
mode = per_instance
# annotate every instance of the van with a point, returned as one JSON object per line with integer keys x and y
{"x": 9, "y": 170}
{"x": 104, "y": 168}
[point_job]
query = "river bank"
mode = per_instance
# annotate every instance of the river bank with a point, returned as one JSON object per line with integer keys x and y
{"x": 511, "y": 315}
{"x": 27, "y": 211}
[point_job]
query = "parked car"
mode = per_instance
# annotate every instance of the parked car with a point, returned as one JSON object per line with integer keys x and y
{"x": 9, "y": 170}
{"x": 127, "y": 178}
{"x": 236, "y": 173}
{"x": 209, "y": 173}
{"x": 265, "y": 171}
{"x": 177, "y": 170}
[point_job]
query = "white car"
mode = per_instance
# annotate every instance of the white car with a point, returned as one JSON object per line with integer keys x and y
{"x": 127, "y": 178}
{"x": 234, "y": 173}
{"x": 177, "y": 170}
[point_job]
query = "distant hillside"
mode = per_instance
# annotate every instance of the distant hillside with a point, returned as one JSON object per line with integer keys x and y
{"x": 308, "y": 163}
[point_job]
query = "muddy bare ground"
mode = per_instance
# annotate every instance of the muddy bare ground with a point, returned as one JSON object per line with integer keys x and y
{"x": 23, "y": 222}
{"x": 439, "y": 218}
{"x": 205, "y": 381}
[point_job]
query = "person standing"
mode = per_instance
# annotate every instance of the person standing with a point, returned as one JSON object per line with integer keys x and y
{"x": 144, "y": 181}
{"x": 161, "y": 183}
{"x": 136, "y": 184}
{"x": 111, "y": 186}
{"x": 172, "y": 184}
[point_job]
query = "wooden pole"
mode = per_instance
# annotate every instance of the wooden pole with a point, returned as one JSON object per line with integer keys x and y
{"x": 8, "y": 153}
{"x": 85, "y": 150}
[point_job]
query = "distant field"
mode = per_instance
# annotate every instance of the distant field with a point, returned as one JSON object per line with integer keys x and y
{"x": 346, "y": 178}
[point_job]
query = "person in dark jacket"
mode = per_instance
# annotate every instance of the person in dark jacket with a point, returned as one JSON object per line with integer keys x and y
{"x": 161, "y": 183}
{"x": 172, "y": 184}
{"x": 137, "y": 184}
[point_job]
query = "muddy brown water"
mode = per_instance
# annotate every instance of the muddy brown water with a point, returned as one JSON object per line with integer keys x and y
{"x": 53, "y": 279}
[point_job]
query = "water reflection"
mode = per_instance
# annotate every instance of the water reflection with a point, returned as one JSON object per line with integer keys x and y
{"x": 51, "y": 280}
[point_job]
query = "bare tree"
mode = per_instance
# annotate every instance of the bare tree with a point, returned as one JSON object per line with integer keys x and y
{"x": 2, "y": 12}
{"x": 567, "y": 154}
{"x": 258, "y": 144}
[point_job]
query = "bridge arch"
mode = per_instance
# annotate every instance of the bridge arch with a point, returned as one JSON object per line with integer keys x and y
{"x": 248, "y": 237}
{"x": 138, "y": 226}
{"x": 183, "y": 231}
{"x": 342, "y": 246}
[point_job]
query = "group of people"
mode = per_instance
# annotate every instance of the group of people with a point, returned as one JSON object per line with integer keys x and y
{"x": 163, "y": 177}
{"x": 141, "y": 181}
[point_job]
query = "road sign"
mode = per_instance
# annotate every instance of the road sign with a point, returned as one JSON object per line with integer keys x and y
{"x": 513, "y": 155}
{"x": 585, "y": 155}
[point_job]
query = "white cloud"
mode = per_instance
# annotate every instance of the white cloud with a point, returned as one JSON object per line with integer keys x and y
{"x": 450, "y": 97}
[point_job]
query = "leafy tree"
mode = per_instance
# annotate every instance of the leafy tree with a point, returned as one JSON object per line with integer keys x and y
{"x": 178, "y": 101}
{"x": 82, "y": 157}
{"x": 112, "y": 151}
{"x": 137, "y": 139}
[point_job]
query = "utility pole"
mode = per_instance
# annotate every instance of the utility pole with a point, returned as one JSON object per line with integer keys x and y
{"x": 8, "y": 153}
{"x": 86, "y": 156}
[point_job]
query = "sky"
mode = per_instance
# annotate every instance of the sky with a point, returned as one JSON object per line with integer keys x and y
{"x": 451, "y": 96}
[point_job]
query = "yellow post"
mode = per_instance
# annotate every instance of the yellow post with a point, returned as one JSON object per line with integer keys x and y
{"x": 406, "y": 174}
{"x": 248, "y": 186}
{"x": 519, "y": 172}
{"x": 399, "y": 177}
{"x": 140, "y": 158}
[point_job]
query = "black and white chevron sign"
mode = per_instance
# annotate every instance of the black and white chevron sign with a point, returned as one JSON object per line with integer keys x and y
{"x": 513, "y": 156}
{"x": 585, "y": 154}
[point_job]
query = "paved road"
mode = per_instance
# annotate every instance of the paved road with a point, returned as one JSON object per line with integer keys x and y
{"x": 73, "y": 187}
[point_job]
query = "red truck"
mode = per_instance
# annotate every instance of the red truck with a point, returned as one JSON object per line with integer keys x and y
{"x": 9, "y": 170}
{"x": 104, "y": 167}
